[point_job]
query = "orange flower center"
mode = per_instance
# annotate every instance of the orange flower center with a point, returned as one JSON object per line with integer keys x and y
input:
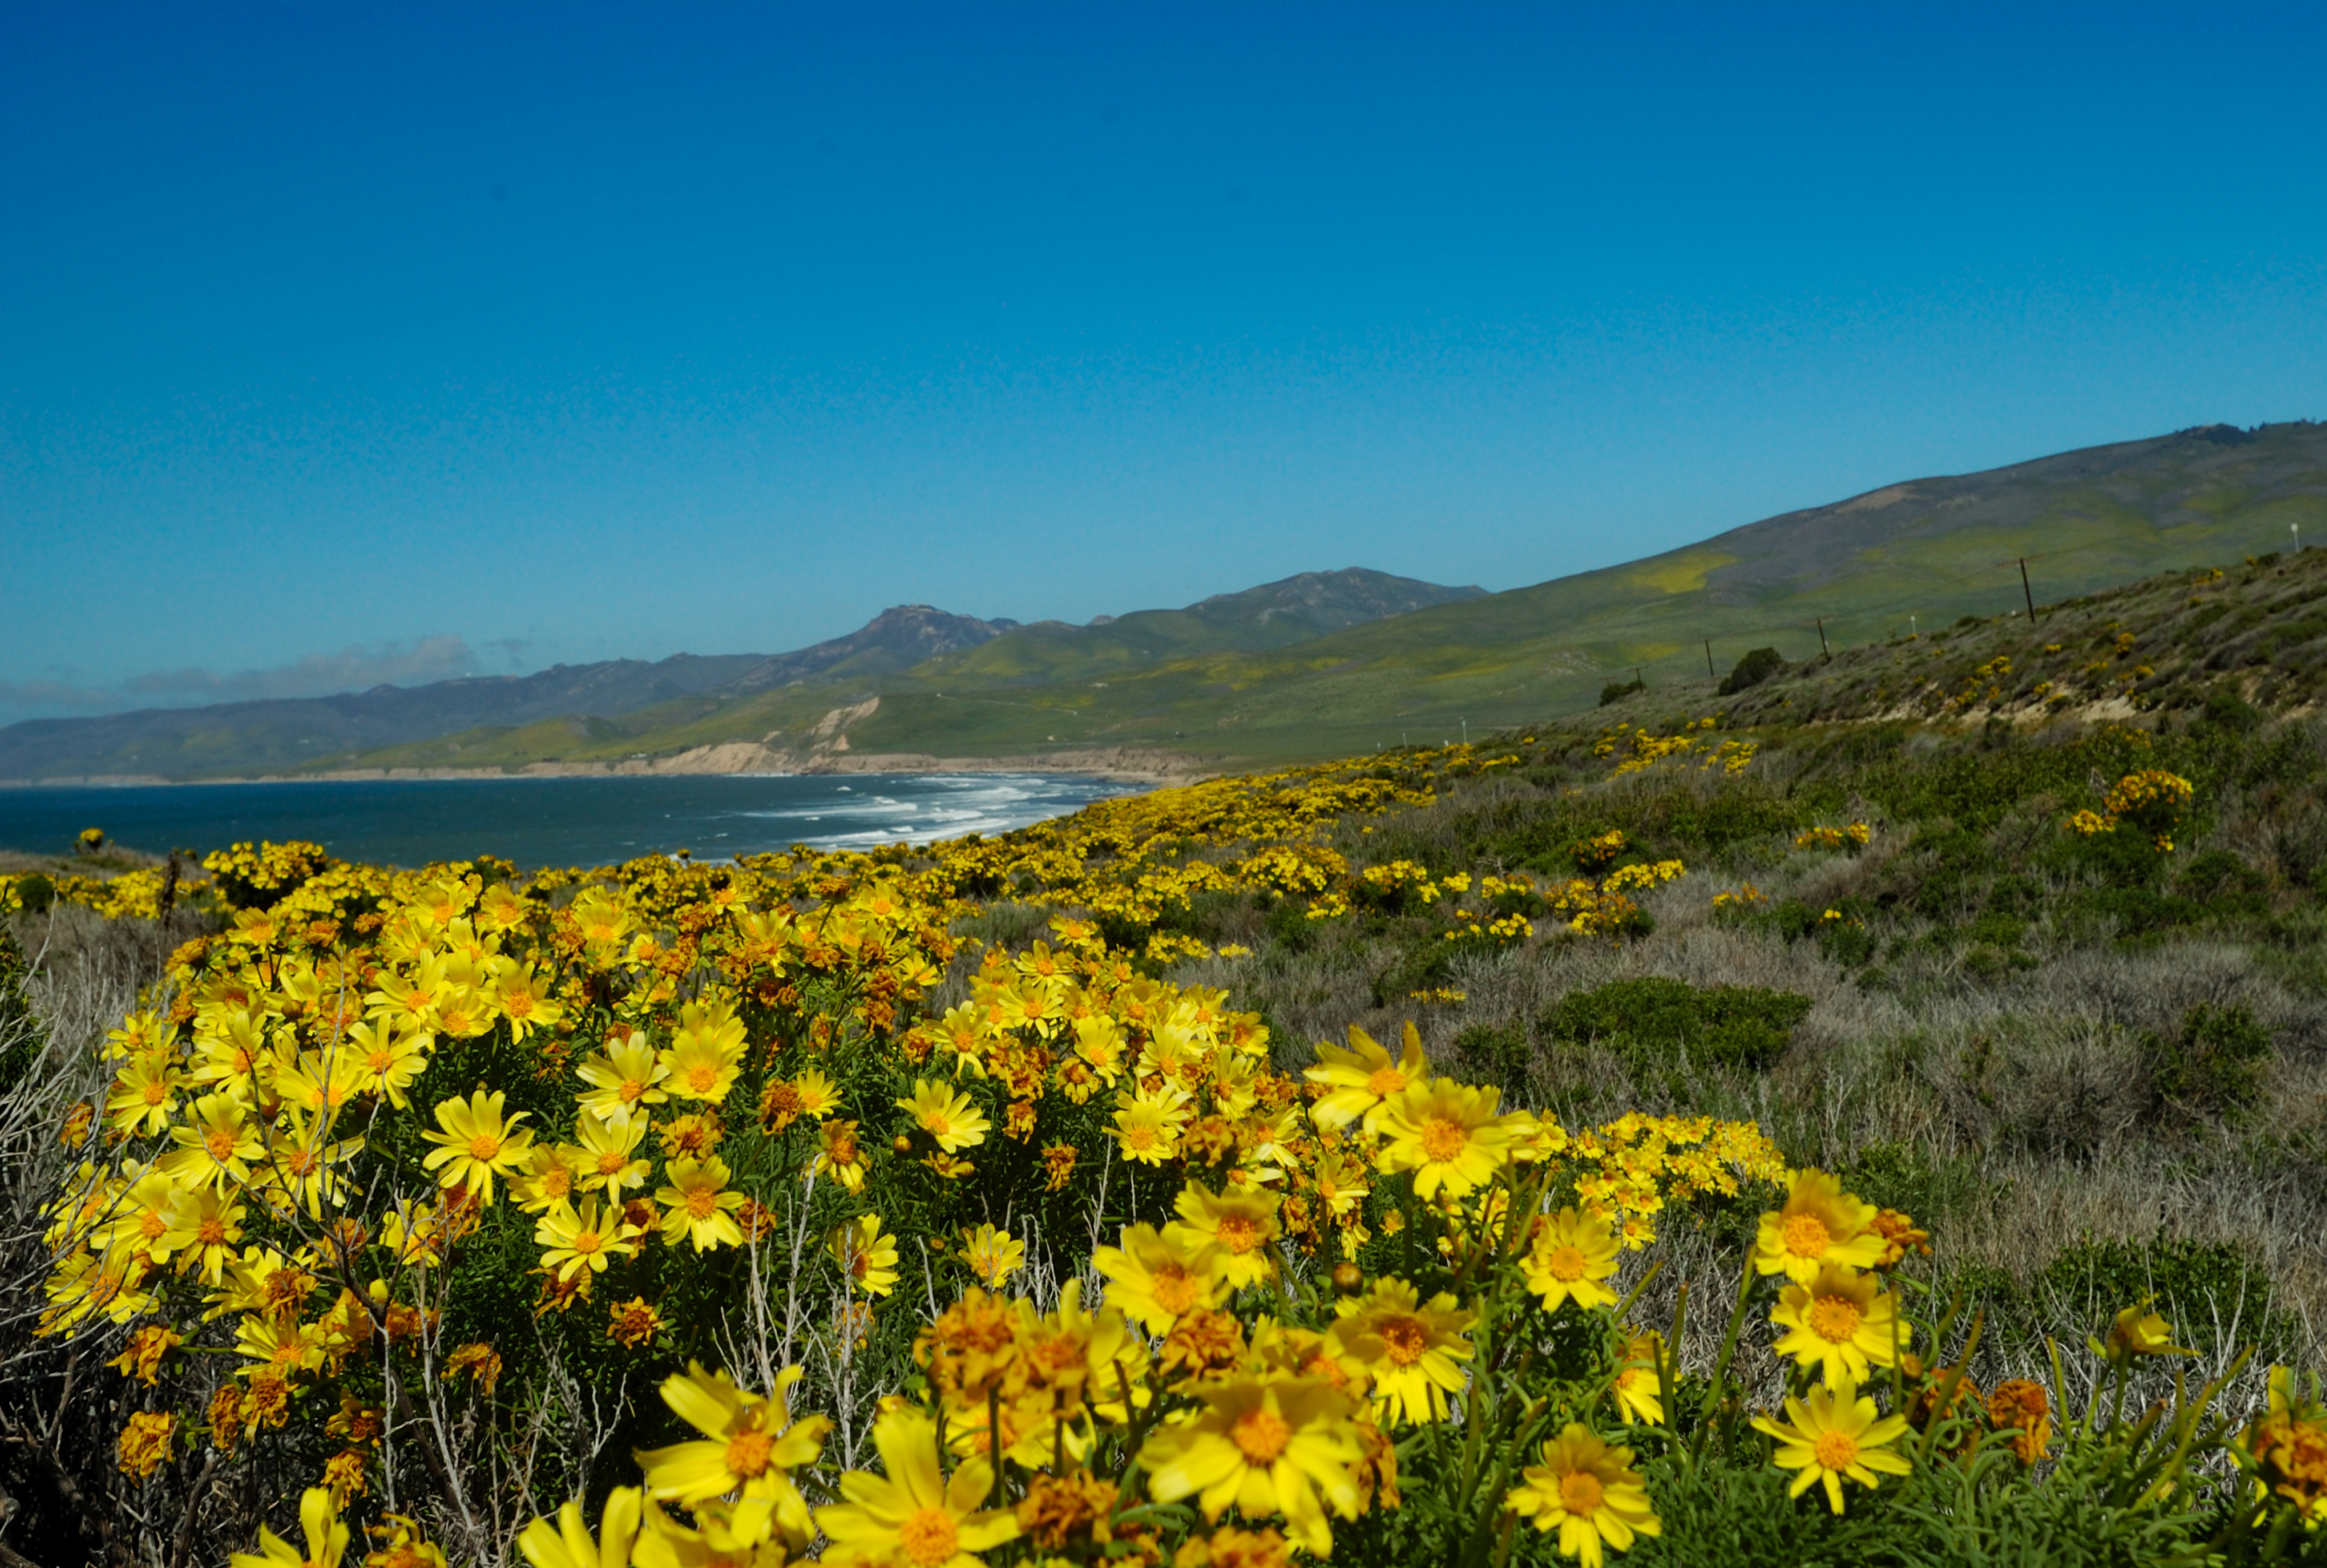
{"x": 701, "y": 1077}
{"x": 702, "y": 1202}
{"x": 1404, "y": 1339}
{"x": 747, "y": 1453}
{"x": 156, "y": 1092}
{"x": 1835, "y": 1318}
{"x": 220, "y": 1142}
{"x": 1385, "y": 1082}
{"x": 1239, "y": 1234}
{"x": 151, "y": 1225}
{"x": 611, "y": 1161}
{"x": 1580, "y": 1492}
{"x": 379, "y": 1061}
{"x": 1807, "y": 1235}
{"x": 930, "y": 1536}
{"x": 484, "y": 1146}
{"x": 1836, "y": 1450}
{"x": 210, "y": 1232}
{"x": 1176, "y": 1291}
{"x": 1444, "y": 1141}
{"x": 1261, "y": 1436}
{"x": 557, "y": 1182}
{"x": 1564, "y": 1264}
{"x": 1139, "y": 1139}
{"x": 586, "y": 1242}
{"x": 937, "y": 1125}
{"x": 629, "y": 1090}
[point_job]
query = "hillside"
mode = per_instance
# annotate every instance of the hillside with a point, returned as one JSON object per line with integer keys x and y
{"x": 600, "y": 711}
{"x": 1913, "y": 555}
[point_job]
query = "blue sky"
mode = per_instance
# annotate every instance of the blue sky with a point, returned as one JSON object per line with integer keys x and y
{"x": 340, "y": 343}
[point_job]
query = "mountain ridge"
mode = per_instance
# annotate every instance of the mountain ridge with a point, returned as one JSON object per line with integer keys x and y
{"x": 274, "y": 737}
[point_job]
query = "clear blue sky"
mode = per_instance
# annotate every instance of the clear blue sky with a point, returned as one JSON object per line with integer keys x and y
{"x": 340, "y": 342}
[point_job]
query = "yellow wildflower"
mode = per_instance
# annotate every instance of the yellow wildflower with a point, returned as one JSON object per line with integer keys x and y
{"x": 1832, "y": 1433}
{"x": 1588, "y": 1491}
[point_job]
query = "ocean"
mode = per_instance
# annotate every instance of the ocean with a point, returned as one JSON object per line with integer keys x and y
{"x": 539, "y": 822}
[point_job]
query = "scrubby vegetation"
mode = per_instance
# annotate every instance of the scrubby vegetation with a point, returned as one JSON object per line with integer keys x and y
{"x": 1893, "y": 1141}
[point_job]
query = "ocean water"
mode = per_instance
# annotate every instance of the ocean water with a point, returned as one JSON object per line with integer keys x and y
{"x": 539, "y": 822}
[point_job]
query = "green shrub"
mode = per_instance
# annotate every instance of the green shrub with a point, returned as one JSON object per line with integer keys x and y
{"x": 1499, "y": 1054}
{"x": 36, "y": 892}
{"x": 2215, "y": 1293}
{"x": 1752, "y": 670}
{"x": 1618, "y": 690}
{"x": 2216, "y": 1062}
{"x": 1658, "y": 1026}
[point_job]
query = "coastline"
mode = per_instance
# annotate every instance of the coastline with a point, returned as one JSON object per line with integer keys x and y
{"x": 734, "y": 759}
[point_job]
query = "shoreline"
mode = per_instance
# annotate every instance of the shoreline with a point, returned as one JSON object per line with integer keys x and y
{"x": 1120, "y": 764}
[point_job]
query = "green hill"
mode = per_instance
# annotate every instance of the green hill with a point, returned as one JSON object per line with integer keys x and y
{"x": 1916, "y": 555}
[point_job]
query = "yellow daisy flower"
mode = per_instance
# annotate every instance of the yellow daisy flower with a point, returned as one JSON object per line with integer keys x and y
{"x": 1363, "y": 1078}
{"x": 914, "y": 1517}
{"x": 993, "y": 1256}
{"x": 749, "y": 1443}
{"x": 819, "y": 1096}
{"x": 1837, "y": 1323}
{"x": 864, "y": 1255}
{"x": 706, "y": 1053}
{"x": 216, "y": 1145}
{"x": 1821, "y": 1224}
{"x": 1147, "y": 1127}
{"x": 143, "y": 1098}
{"x": 576, "y": 1239}
{"x": 1449, "y": 1135}
{"x": 1242, "y": 1224}
{"x": 1266, "y": 1446}
{"x": 1636, "y": 1384}
{"x": 476, "y": 1142}
{"x": 625, "y": 1077}
{"x": 698, "y": 1206}
{"x": 1411, "y": 1352}
{"x": 946, "y": 1115}
{"x": 2138, "y": 1332}
{"x": 839, "y": 1157}
{"x": 1158, "y": 1280}
{"x": 1832, "y": 1432}
{"x": 1572, "y": 1255}
{"x": 609, "y": 1162}
{"x": 552, "y": 1171}
{"x": 387, "y": 1056}
{"x": 1588, "y": 1491}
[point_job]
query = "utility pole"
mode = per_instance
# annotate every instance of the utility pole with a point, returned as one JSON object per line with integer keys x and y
{"x": 1708, "y": 660}
{"x": 1824, "y": 651}
{"x": 2024, "y": 592}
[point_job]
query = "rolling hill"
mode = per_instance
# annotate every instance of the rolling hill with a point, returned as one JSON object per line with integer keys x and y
{"x": 1920, "y": 553}
{"x": 1327, "y": 664}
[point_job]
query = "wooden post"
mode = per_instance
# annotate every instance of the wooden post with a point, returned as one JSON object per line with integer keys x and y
{"x": 1824, "y": 651}
{"x": 1708, "y": 660}
{"x": 2024, "y": 593}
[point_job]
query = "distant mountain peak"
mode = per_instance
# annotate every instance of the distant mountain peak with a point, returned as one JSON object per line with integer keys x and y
{"x": 1330, "y": 600}
{"x": 899, "y": 637}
